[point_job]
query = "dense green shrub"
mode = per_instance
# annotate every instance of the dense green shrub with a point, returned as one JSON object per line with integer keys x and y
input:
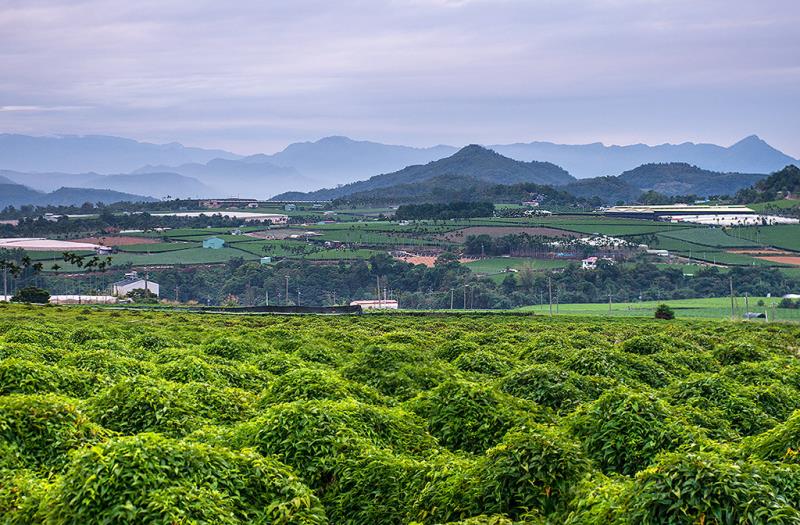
{"x": 533, "y": 468}
{"x": 781, "y": 443}
{"x": 548, "y": 385}
{"x": 277, "y": 363}
{"x": 655, "y": 343}
{"x": 374, "y": 486}
{"x": 624, "y": 430}
{"x": 18, "y": 376}
{"x": 395, "y": 419}
{"x": 738, "y": 352}
{"x": 394, "y": 370}
{"x": 31, "y": 352}
{"x": 142, "y": 404}
{"x": 151, "y": 479}
{"x": 469, "y": 417}
{"x": 38, "y": 430}
{"x": 21, "y": 494}
{"x": 703, "y": 487}
{"x": 483, "y": 362}
{"x": 106, "y": 363}
{"x": 308, "y": 383}
{"x": 450, "y": 350}
{"x": 622, "y": 366}
{"x": 714, "y": 393}
{"x": 230, "y": 347}
{"x": 313, "y": 436}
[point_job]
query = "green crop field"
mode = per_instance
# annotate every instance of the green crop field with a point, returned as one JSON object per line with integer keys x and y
{"x": 140, "y": 417}
{"x": 188, "y": 256}
{"x": 494, "y": 265}
{"x": 786, "y": 236}
{"x": 782, "y": 204}
{"x": 158, "y": 247}
{"x": 711, "y": 237}
{"x": 712, "y": 308}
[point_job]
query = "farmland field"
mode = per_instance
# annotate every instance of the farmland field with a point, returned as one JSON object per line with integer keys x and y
{"x": 786, "y": 236}
{"x": 713, "y": 237}
{"x": 128, "y": 417}
{"x": 710, "y": 308}
{"x": 495, "y": 265}
{"x": 188, "y": 256}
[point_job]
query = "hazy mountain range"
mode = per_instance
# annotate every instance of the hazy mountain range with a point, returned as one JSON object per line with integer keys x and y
{"x": 472, "y": 161}
{"x": 160, "y": 170}
{"x": 18, "y": 195}
{"x": 481, "y": 167}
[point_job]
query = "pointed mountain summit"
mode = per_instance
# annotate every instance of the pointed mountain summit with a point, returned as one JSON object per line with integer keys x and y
{"x": 471, "y": 161}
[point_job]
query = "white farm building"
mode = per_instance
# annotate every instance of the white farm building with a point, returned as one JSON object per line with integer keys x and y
{"x": 383, "y": 304}
{"x": 132, "y": 282}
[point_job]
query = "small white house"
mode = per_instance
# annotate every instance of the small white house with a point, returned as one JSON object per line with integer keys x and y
{"x": 386, "y": 304}
{"x": 133, "y": 282}
{"x": 590, "y": 263}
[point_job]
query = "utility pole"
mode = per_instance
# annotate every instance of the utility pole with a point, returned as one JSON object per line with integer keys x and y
{"x": 550, "y": 293}
{"x": 746, "y": 302}
{"x": 465, "y": 296}
{"x": 733, "y": 312}
{"x": 609, "y": 303}
{"x": 266, "y": 297}
{"x": 287, "y": 291}
{"x": 451, "y": 298}
{"x": 298, "y": 296}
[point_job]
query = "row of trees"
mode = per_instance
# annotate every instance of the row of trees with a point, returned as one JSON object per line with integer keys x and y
{"x": 452, "y": 210}
{"x": 448, "y": 283}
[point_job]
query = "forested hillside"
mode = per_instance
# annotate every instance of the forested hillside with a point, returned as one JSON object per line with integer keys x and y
{"x": 472, "y": 161}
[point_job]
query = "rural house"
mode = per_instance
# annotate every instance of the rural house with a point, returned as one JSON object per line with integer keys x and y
{"x": 132, "y": 282}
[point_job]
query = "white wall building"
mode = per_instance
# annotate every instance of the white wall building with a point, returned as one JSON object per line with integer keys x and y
{"x": 385, "y": 304}
{"x": 132, "y": 282}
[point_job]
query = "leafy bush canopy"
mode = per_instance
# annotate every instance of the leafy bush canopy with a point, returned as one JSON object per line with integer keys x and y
{"x": 156, "y": 417}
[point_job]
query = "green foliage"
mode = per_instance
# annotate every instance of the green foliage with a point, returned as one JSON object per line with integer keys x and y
{"x": 469, "y": 417}
{"x": 738, "y": 352}
{"x": 483, "y": 362}
{"x": 703, "y": 487}
{"x": 141, "y": 404}
{"x": 624, "y": 430}
{"x": 37, "y": 430}
{"x": 309, "y": 383}
{"x": 553, "y": 386}
{"x": 311, "y": 436}
{"x": 663, "y": 311}
{"x": 25, "y": 377}
{"x": 31, "y": 294}
{"x": 781, "y": 443}
{"x": 533, "y": 468}
{"x": 151, "y": 479}
{"x": 394, "y": 370}
{"x": 720, "y": 398}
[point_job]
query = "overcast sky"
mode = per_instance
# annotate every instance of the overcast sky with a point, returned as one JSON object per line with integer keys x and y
{"x": 254, "y": 75}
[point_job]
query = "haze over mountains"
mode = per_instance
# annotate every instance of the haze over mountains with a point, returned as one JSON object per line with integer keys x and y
{"x": 139, "y": 168}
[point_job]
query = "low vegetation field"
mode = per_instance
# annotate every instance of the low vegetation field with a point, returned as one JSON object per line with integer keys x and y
{"x": 710, "y": 307}
{"x": 130, "y": 417}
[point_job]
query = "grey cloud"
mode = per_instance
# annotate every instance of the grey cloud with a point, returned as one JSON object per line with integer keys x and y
{"x": 254, "y": 75}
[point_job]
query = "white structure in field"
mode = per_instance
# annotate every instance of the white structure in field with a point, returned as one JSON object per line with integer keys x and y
{"x": 246, "y": 216}
{"x": 384, "y": 304}
{"x": 133, "y": 282}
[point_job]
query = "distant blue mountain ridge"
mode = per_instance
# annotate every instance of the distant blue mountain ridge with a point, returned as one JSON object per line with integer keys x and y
{"x": 325, "y": 163}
